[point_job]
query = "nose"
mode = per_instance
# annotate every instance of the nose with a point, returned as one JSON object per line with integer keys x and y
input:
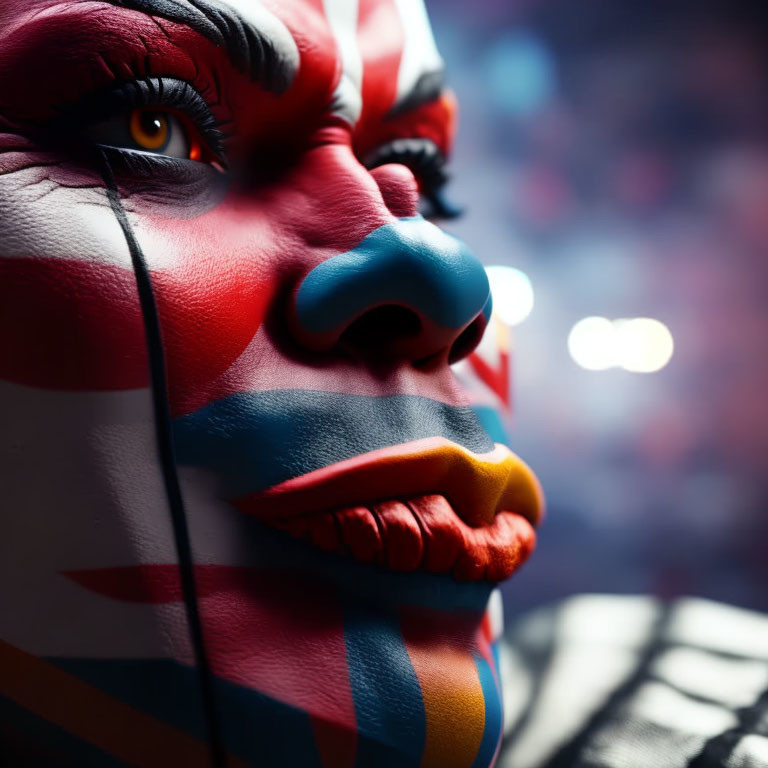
{"x": 408, "y": 290}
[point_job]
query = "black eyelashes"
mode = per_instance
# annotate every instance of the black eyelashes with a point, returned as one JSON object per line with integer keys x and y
{"x": 427, "y": 163}
{"x": 420, "y": 155}
{"x": 161, "y": 92}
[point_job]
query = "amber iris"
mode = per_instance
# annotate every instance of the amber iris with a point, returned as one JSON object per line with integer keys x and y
{"x": 149, "y": 128}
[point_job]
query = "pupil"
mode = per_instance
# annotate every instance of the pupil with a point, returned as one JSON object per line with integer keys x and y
{"x": 151, "y": 123}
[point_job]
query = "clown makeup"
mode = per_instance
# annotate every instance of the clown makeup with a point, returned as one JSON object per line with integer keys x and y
{"x": 249, "y": 514}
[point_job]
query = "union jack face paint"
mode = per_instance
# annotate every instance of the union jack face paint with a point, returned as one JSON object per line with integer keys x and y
{"x": 249, "y": 514}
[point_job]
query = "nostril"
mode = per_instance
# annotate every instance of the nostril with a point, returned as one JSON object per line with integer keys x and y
{"x": 467, "y": 341}
{"x": 379, "y": 328}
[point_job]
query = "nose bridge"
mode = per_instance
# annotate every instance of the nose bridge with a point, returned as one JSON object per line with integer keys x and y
{"x": 407, "y": 263}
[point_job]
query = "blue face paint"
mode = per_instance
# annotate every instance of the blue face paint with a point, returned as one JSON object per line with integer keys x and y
{"x": 409, "y": 263}
{"x": 255, "y": 440}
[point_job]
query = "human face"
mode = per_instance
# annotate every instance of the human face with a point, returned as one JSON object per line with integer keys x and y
{"x": 249, "y": 514}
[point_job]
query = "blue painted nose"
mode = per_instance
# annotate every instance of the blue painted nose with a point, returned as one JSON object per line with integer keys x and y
{"x": 408, "y": 289}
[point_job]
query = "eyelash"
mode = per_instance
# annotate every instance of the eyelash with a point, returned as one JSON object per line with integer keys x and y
{"x": 161, "y": 92}
{"x": 428, "y": 165}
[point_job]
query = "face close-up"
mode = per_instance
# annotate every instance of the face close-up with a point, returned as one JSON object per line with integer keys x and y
{"x": 249, "y": 515}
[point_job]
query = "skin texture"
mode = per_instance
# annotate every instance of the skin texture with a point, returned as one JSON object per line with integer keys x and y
{"x": 250, "y": 516}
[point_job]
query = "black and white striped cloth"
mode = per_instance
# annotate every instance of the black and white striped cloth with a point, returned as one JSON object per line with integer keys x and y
{"x": 628, "y": 682}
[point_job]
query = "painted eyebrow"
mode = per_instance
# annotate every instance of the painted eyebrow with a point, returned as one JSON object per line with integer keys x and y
{"x": 265, "y": 50}
{"x": 426, "y": 89}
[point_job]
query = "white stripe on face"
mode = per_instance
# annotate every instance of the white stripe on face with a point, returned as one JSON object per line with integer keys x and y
{"x": 342, "y": 18}
{"x": 82, "y": 489}
{"x": 420, "y": 55}
{"x": 42, "y": 219}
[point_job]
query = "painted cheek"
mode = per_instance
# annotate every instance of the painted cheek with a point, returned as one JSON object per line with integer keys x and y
{"x": 211, "y": 301}
{"x": 71, "y": 325}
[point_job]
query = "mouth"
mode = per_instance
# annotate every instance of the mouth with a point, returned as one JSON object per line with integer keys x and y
{"x": 428, "y": 505}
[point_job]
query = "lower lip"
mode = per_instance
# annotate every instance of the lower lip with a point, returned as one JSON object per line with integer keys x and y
{"x": 421, "y": 534}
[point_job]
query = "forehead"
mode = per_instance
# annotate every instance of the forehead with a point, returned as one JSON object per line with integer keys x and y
{"x": 380, "y": 49}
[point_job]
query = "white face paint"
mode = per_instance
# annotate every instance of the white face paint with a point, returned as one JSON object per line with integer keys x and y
{"x": 420, "y": 56}
{"x": 342, "y": 18}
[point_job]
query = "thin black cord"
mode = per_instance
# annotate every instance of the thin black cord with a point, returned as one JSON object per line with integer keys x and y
{"x": 164, "y": 434}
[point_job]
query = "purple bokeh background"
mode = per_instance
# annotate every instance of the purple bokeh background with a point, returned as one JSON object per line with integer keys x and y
{"x": 617, "y": 152}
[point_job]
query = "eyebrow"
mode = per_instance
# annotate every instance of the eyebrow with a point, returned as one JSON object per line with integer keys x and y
{"x": 426, "y": 89}
{"x": 266, "y": 52}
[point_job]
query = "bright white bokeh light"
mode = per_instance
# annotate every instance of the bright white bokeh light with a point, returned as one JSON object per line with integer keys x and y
{"x": 512, "y": 294}
{"x": 638, "y": 344}
{"x": 643, "y": 345}
{"x": 592, "y": 343}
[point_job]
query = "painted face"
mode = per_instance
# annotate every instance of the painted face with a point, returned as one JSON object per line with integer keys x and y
{"x": 249, "y": 516}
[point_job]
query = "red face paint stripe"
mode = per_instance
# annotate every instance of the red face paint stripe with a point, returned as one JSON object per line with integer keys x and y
{"x": 71, "y": 325}
{"x": 381, "y": 38}
{"x": 247, "y": 614}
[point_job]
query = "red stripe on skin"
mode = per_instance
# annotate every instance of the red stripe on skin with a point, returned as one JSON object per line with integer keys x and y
{"x": 269, "y": 630}
{"x": 381, "y": 39}
{"x": 435, "y": 121}
{"x": 209, "y": 314}
{"x": 498, "y": 379}
{"x": 70, "y": 325}
{"x": 77, "y": 325}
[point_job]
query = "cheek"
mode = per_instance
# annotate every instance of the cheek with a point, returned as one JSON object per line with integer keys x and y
{"x": 69, "y": 310}
{"x": 70, "y": 325}
{"x": 212, "y": 293}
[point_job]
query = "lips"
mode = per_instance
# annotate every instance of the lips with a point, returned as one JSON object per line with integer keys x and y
{"x": 426, "y": 505}
{"x": 420, "y": 534}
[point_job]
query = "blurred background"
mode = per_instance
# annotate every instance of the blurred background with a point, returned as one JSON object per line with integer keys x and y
{"x": 616, "y": 154}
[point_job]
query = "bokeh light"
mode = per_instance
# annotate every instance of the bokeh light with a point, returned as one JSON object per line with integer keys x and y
{"x": 643, "y": 345}
{"x": 638, "y": 344}
{"x": 512, "y": 294}
{"x": 592, "y": 343}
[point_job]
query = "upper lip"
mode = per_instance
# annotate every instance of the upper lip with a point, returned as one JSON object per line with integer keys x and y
{"x": 478, "y": 486}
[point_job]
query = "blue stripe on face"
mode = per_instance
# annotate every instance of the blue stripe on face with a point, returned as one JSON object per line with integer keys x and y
{"x": 389, "y": 710}
{"x": 493, "y": 714}
{"x": 255, "y": 440}
{"x": 408, "y": 263}
{"x": 492, "y": 423}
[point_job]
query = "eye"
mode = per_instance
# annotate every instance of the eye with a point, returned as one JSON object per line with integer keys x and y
{"x": 428, "y": 165}
{"x": 158, "y": 116}
{"x": 149, "y": 129}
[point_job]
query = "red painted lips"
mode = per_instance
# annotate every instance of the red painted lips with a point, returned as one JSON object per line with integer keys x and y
{"x": 420, "y": 534}
{"x": 451, "y": 511}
